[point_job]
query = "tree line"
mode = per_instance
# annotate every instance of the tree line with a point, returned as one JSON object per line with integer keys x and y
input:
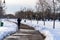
{"x": 43, "y": 11}
{"x": 33, "y": 15}
{"x": 38, "y": 15}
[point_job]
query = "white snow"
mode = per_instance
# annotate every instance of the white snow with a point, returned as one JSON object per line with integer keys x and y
{"x": 47, "y": 30}
{"x": 7, "y": 29}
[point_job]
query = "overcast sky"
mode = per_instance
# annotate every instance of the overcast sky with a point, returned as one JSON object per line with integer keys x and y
{"x": 15, "y": 5}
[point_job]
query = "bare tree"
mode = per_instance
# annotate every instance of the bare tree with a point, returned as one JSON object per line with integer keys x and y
{"x": 2, "y": 6}
{"x": 41, "y": 6}
{"x": 54, "y": 14}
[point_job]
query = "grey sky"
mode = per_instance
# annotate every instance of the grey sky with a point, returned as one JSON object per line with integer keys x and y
{"x": 15, "y": 5}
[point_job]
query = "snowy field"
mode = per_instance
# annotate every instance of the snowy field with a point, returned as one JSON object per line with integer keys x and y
{"x": 7, "y": 29}
{"x": 47, "y": 30}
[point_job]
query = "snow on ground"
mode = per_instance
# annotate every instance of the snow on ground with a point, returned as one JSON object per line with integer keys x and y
{"x": 7, "y": 29}
{"x": 51, "y": 34}
{"x": 43, "y": 29}
{"x": 47, "y": 30}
